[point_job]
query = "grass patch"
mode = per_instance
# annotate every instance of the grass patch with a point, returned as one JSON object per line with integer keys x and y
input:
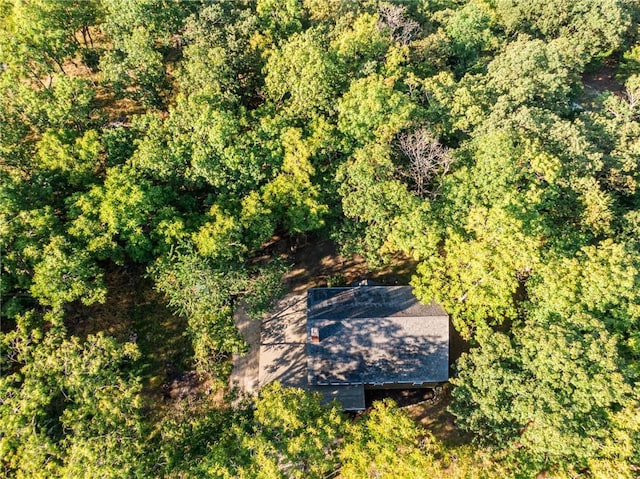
{"x": 161, "y": 339}
{"x": 134, "y": 311}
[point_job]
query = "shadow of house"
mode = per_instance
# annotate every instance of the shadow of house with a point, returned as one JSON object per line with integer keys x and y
{"x": 282, "y": 345}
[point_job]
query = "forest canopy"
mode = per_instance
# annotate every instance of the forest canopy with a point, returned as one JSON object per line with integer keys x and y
{"x": 158, "y": 147}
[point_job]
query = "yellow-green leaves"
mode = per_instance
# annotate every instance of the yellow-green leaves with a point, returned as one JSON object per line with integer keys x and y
{"x": 601, "y": 279}
{"x": 74, "y": 409}
{"x": 373, "y": 197}
{"x": 361, "y": 45}
{"x": 219, "y": 237}
{"x": 387, "y": 444}
{"x": 373, "y": 111}
{"x": 77, "y": 159}
{"x": 301, "y": 76}
{"x": 66, "y": 274}
{"x": 592, "y": 28}
{"x": 531, "y": 72}
{"x": 292, "y": 194}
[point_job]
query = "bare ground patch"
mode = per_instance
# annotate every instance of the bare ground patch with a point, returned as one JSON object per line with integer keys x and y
{"x": 135, "y": 312}
{"x": 601, "y": 80}
{"x": 318, "y": 263}
{"x": 432, "y": 414}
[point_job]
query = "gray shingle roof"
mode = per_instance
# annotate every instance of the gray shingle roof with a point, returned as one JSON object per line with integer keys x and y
{"x": 375, "y": 335}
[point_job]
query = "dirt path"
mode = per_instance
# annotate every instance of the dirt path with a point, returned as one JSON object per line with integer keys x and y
{"x": 283, "y": 341}
{"x": 244, "y": 375}
{"x": 432, "y": 414}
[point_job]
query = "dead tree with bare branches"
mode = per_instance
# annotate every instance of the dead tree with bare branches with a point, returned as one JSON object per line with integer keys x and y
{"x": 428, "y": 161}
{"x": 394, "y": 18}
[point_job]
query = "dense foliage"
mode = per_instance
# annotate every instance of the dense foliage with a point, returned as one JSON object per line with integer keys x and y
{"x": 497, "y": 142}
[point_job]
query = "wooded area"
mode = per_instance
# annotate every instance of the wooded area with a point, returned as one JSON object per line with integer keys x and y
{"x": 150, "y": 150}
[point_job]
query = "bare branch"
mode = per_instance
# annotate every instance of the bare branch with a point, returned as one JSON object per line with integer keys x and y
{"x": 633, "y": 97}
{"x": 429, "y": 161}
{"x": 393, "y": 17}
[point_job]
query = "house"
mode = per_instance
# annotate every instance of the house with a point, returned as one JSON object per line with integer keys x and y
{"x": 373, "y": 337}
{"x": 342, "y": 341}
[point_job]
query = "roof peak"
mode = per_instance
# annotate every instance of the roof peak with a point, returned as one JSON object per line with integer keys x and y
{"x": 367, "y": 301}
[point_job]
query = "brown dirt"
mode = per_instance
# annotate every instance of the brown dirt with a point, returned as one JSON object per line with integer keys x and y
{"x": 318, "y": 263}
{"x": 116, "y": 109}
{"x": 106, "y": 103}
{"x": 180, "y": 385}
{"x": 601, "y": 80}
{"x": 432, "y": 414}
{"x": 113, "y": 316}
{"x": 189, "y": 386}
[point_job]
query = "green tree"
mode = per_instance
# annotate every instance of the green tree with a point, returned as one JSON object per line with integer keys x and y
{"x": 24, "y": 233}
{"x": 140, "y": 30}
{"x": 592, "y": 28}
{"x": 360, "y": 48}
{"x": 257, "y": 219}
{"x": 138, "y": 64}
{"x": 301, "y": 76}
{"x": 70, "y": 104}
{"x": 69, "y": 408}
{"x": 66, "y": 105}
{"x": 532, "y": 72}
{"x": 221, "y": 63}
{"x": 220, "y": 238}
{"x": 66, "y": 274}
{"x": 125, "y": 216}
{"x": 373, "y": 111}
{"x": 292, "y": 196}
{"x": 206, "y": 292}
{"x": 279, "y": 19}
{"x": 39, "y": 37}
{"x": 601, "y": 281}
{"x": 469, "y": 29}
{"x": 373, "y": 198}
{"x": 553, "y": 392}
{"x": 291, "y": 435}
{"x": 211, "y": 140}
{"x": 493, "y": 232}
{"x": 77, "y": 159}
{"x": 385, "y": 444}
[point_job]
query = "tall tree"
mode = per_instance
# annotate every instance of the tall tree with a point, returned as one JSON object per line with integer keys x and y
{"x": 69, "y": 408}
